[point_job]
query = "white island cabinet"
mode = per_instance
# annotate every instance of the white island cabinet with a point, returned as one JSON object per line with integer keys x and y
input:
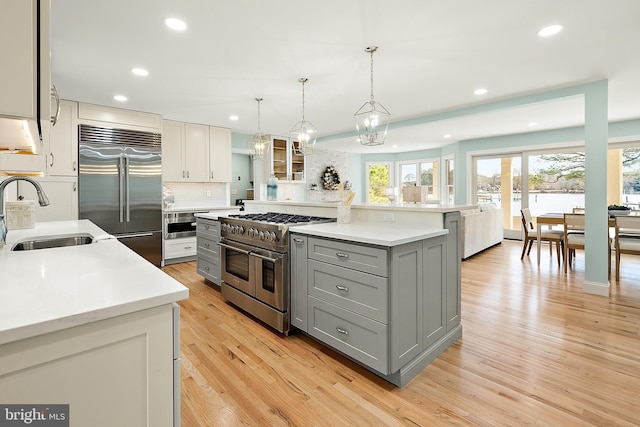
{"x": 92, "y": 326}
{"x": 376, "y": 293}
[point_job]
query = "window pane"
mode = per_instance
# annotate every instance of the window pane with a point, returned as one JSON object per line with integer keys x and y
{"x": 429, "y": 178}
{"x": 556, "y": 182}
{"x": 408, "y": 174}
{"x": 378, "y": 183}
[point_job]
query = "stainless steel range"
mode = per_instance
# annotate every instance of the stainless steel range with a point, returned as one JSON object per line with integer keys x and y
{"x": 254, "y": 251}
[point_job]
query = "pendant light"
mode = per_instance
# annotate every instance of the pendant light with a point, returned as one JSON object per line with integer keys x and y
{"x": 258, "y": 143}
{"x": 372, "y": 119}
{"x": 303, "y": 134}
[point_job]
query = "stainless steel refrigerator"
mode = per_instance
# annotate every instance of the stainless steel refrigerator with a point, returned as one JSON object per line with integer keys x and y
{"x": 120, "y": 186}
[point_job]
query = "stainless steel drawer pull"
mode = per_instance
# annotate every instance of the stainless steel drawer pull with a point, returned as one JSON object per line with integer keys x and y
{"x": 341, "y": 255}
{"x": 342, "y": 288}
{"x": 342, "y": 331}
{"x": 298, "y": 241}
{"x": 187, "y": 247}
{"x": 206, "y": 245}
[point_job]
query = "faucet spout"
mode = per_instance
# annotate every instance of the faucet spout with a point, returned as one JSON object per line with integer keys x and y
{"x": 43, "y": 200}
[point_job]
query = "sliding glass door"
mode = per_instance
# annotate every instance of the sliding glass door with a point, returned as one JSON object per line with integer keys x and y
{"x": 499, "y": 181}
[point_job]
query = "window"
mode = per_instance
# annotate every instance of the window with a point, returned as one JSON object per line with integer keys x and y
{"x": 421, "y": 172}
{"x": 448, "y": 180}
{"x": 379, "y": 177}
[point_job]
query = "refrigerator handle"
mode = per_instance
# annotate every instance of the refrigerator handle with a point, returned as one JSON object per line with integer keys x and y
{"x": 126, "y": 181}
{"x": 121, "y": 185}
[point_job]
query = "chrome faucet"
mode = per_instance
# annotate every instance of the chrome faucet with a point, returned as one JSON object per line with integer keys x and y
{"x": 42, "y": 200}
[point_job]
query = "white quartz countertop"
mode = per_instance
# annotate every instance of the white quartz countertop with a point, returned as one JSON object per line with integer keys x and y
{"x": 418, "y": 207}
{"x": 177, "y": 209}
{"x": 371, "y": 233}
{"x": 215, "y": 214}
{"x": 46, "y": 290}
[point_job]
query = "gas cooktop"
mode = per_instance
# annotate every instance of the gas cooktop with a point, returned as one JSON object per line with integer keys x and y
{"x": 280, "y": 218}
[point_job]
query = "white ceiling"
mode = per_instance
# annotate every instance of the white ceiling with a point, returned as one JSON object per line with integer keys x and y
{"x": 432, "y": 55}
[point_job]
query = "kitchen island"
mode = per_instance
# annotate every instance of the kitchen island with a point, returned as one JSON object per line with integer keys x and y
{"x": 377, "y": 293}
{"x": 92, "y": 326}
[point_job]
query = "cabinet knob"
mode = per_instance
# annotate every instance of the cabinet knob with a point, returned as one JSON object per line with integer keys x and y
{"x": 342, "y": 331}
{"x": 298, "y": 241}
{"x": 342, "y": 288}
{"x": 206, "y": 268}
{"x": 206, "y": 245}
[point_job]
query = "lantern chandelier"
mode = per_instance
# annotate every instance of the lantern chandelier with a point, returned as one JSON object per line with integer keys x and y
{"x": 303, "y": 134}
{"x": 372, "y": 119}
{"x": 258, "y": 143}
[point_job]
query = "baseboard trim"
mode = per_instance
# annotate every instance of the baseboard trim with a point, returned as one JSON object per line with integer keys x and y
{"x": 596, "y": 288}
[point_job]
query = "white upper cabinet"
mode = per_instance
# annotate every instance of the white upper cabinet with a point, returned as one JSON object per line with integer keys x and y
{"x": 220, "y": 154}
{"x": 62, "y": 157}
{"x": 195, "y": 153}
{"x": 18, "y": 50}
{"x": 172, "y": 151}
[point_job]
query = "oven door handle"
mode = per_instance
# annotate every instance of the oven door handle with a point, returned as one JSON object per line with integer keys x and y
{"x": 233, "y": 248}
{"x": 266, "y": 258}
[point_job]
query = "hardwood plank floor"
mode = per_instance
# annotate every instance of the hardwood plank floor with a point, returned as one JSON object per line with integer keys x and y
{"x": 536, "y": 350}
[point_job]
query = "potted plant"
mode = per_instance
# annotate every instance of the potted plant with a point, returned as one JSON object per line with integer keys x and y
{"x": 618, "y": 210}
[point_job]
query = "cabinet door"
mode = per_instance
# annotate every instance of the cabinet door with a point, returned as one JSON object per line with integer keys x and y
{"x": 18, "y": 49}
{"x": 297, "y": 164}
{"x": 173, "y": 151}
{"x": 220, "y": 154}
{"x": 63, "y": 142}
{"x": 62, "y": 193}
{"x": 196, "y": 152}
{"x": 299, "y": 246}
{"x": 280, "y": 158}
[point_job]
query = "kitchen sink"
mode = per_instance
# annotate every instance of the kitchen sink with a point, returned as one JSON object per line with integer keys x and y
{"x": 53, "y": 242}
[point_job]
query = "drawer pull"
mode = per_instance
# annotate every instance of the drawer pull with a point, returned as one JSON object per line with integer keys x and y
{"x": 206, "y": 245}
{"x": 342, "y": 288}
{"x": 298, "y": 241}
{"x": 342, "y": 331}
{"x": 341, "y": 255}
{"x": 206, "y": 227}
{"x": 206, "y": 269}
{"x": 187, "y": 247}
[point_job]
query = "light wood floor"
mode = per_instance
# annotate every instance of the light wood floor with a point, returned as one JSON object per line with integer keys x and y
{"x": 535, "y": 350}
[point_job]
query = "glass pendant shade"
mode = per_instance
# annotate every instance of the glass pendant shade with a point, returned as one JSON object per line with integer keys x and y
{"x": 303, "y": 134}
{"x": 372, "y": 119}
{"x": 258, "y": 143}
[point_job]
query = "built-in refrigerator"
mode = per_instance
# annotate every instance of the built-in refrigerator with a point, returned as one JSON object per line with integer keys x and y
{"x": 120, "y": 186}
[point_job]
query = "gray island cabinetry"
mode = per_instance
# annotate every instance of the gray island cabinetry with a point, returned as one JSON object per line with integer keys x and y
{"x": 379, "y": 295}
{"x": 208, "y": 258}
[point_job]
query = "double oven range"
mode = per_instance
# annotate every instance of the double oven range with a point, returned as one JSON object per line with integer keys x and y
{"x": 255, "y": 265}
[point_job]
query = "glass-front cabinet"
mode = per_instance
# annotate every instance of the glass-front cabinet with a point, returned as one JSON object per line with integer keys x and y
{"x": 285, "y": 164}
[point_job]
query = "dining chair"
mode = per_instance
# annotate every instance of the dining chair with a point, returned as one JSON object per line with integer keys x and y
{"x": 574, "y": 238}
{"x": 627, "y": 238}
{"x": 531, "y": 235}
{"x": 578, "y": 210}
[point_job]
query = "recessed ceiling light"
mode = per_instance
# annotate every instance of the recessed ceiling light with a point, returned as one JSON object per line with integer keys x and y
{"x": 233, "y": 117}
{"x": 533, "y": 124}
{"x": 551, "y": 30}
{"x": 120, "y": 98}
{"x": 140, "y": 72}
{"x": 175, "y": 24}
{"x": 480, "y": 91}
{"x": 446, "y": 135}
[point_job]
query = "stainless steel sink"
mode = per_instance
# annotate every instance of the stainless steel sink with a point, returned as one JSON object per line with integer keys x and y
{"x": 53, "y": 242}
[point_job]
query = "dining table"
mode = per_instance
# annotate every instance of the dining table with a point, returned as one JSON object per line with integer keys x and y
{"x": 556, "y": 218}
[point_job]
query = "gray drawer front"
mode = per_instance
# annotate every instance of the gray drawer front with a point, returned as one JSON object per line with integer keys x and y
{"x": 209, "y": 270}
{"x": 363, "y": 339}
{"x": 362, "y": 293}
{"x": 361, "y": 258}
{"x": 208, "y": 247}
{"x": 208, "y": 227}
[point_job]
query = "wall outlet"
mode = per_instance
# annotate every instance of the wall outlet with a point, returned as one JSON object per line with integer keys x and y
{"x": 389, "y": 217}
{"x": 208, "y": 193}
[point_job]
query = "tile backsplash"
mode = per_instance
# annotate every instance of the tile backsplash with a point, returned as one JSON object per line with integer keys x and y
{"x": 199, "y": 194}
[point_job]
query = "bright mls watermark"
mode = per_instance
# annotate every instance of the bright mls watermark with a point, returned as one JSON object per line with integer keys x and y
{"x": 34, "y": 415}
